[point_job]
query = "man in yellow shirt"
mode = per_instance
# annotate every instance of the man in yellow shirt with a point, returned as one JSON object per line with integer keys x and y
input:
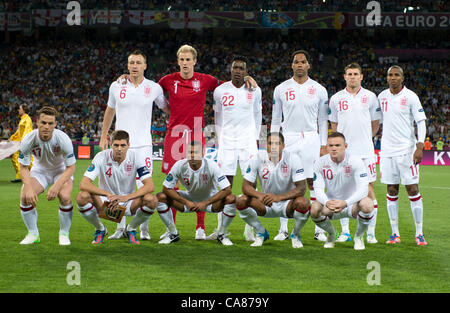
{"x": 25, "y": 126}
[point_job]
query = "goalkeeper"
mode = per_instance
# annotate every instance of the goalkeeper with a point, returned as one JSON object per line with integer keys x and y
{"x": 116, "y": 169}
{"x": 25, "y": 126}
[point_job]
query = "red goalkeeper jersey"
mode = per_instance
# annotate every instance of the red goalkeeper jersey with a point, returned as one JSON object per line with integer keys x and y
{"x": 187, "y": 97}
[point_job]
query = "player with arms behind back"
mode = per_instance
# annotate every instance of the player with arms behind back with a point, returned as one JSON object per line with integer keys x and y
{"x": 355, "y": 112}
{"x": 54, "y": 164}
{"x": 401, "y": 152}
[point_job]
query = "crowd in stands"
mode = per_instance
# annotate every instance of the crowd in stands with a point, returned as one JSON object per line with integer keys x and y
{"x": 226, "y": 5}
{"x": 75, "y": 76}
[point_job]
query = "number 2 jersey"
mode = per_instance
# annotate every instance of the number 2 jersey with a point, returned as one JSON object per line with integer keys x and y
{"x": 119, "y": 179}
{"x": 275, "y": 178}
{"x": 56, "y": 153}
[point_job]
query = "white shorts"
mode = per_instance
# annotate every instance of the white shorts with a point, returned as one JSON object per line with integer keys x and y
{"x": 307, "y": 146}
{"x": 371, "y": 166}
{"x": 125, "y": 204}
{"x": 47, "y": 177}
{"x": 345, "y": 213}
{"x": 399, "y": 169}
{"x": 278, "y": 209}
{"x": 196, "y": 198}
{"x": 228, "y": 159}
{"x": 145, "y": 154}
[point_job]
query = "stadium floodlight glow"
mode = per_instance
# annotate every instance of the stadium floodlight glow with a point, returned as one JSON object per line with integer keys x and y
{"x": 410, "y": 8}
{"x": 168, "y": 9}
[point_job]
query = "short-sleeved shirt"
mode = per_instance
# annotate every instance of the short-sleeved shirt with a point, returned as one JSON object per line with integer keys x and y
{"x": 48, "y": 155}
{"x": 119, "y": 179}
{"x": 354, "y": 114}
{"x": 399, "y": 113}
{"x": 199, "y": 183}
{"x": 237, "y": 115}
{"x": 275, "y": 178}
{"x": 340, "y": 180}
{"x": 134, "y": 107}
{"x": 187, "y": 98}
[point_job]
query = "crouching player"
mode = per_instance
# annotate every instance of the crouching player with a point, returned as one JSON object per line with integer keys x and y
{"x": 283, "y": 186}
{"x": 201, "y": 178}
{"x": 117, "y": 168}
{"x": 345, "y": 178}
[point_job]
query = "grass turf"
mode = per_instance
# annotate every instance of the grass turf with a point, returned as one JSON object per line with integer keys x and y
{"x": 206, "y": 266}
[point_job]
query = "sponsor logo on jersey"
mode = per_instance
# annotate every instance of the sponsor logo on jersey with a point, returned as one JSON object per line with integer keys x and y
{"x": 91, "y": 168}
{"x": 70, "y": 156}
{"x": 363, "y": 175}
{"x": 420, "y": 110}
{"x": 378, "y": 110}
{"x": 300, "y": 170}
{"x": 169, "y": 177}
{"x": 314, "y": 177}
{"x": 221, "y": 177}
{"x": 21, "y": 156}
{"x": 329, "y": 111}
{"x": 248, "y": 170}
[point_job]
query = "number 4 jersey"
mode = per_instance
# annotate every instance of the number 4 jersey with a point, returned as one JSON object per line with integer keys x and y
{"x": 119, "y": 179}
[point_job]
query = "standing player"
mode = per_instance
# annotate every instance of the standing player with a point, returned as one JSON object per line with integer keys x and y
{"x": 238, "y": 123}
{"x": 187, "y": 95}
{"x": 201, "y": 178}
{"x": 401, "y": 153}
{"x": 303, "y": 105}
{"x": 355, "y": 112}
{"x": 25, "y": 127}
{"x": 280, "y": 174}
{"x": 132, "y": 103}
{"x": 345, "y": 178}
{"x": 117, "y": 169}
{"x": 54, "y": 164}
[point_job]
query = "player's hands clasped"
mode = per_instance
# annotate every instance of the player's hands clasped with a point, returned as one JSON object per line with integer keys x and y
{"x": 269, "y": 198}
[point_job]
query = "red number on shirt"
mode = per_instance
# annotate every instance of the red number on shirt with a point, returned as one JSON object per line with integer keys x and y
{"x": 108, "y": 172}
{"x": 37, "y": 152}
{"x": 148, "y": 163}
{"x": 343, "y": 105}
{"x": 414, "y": 167}
{"x": 384, "y": 105}
{"x": 328, "y": 174}
{"x": 230, "y": 100}
{"x": 265, "y": 173}
{"x": 372, "y": 168}
{"x": 290, "y": 95}
{"x": 122, "y": 93}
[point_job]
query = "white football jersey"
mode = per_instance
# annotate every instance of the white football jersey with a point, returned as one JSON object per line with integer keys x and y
{"x": 275, "y": 178}
{"x": 200, "y": 183}
{"x": 354, "y": 115}
{"x": 399, "y": 113}
{"x": 134, "y": 107}
{"x": 341, "y": 181}
{"x": 52, "y": 154}
{"x": 119, "y": 179}
{"x": 237, "y": 115}
{"x": 301, "y": 106}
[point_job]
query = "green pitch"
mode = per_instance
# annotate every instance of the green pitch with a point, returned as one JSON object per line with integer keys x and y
{"x": 206, "y": 266}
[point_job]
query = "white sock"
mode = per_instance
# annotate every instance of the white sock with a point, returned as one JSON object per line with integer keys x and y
{"x": 284, "y": 224}
{"x": 228, "y": 213}
{"x": 219, "y": 220}
{"x": 142, "y": 214}
{"x": 165, "y": 213}
{"x": 251, "y": 218}
{"x": 363, "y": 222}
{"x": 373, "y": 221}
{"x": 312, "y": 198}
{"x": 325, "y": 224}
{"x": 65, "y": 218}
{"x": 300, "y": 221}
{"x": 29, "y": 216}
{"x": 89, "y": 212}
{"x": 417, "y": 211}
{"x": 344, "y": 224}
{"x": 392, "y": 208}
{"x": 123, "y": 222}
{"x": 144, "y": 225}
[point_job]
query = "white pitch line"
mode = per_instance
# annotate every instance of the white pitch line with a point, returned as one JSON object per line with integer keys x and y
{"x": 445, "y": 188}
